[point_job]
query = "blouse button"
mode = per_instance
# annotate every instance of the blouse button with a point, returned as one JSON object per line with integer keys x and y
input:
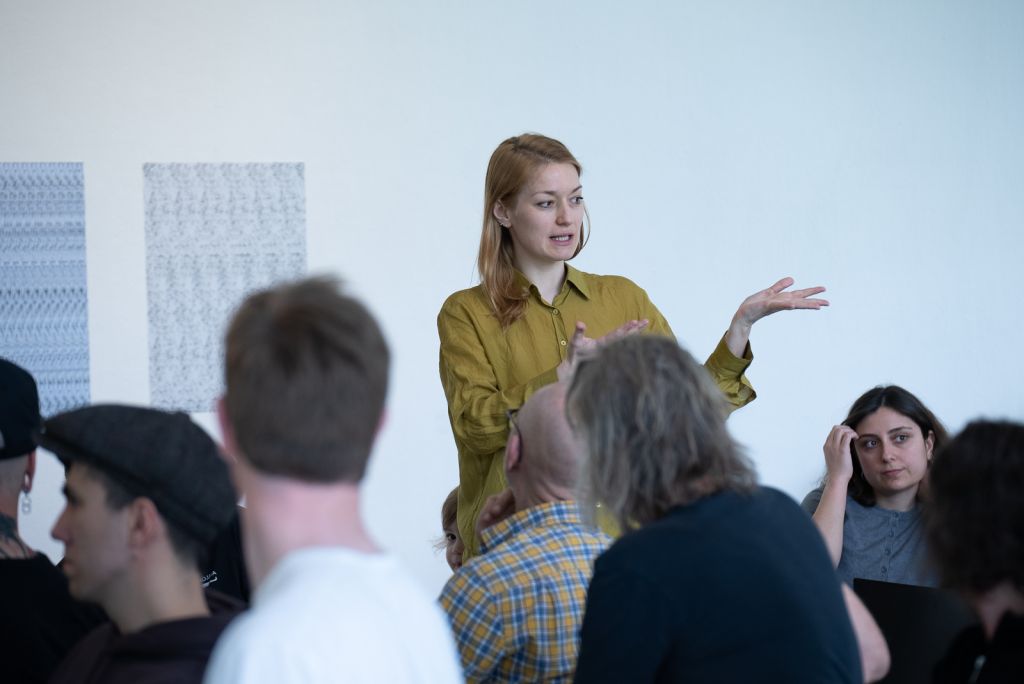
{"x": 554, "y": 311}
{"x": 561, "y": 342}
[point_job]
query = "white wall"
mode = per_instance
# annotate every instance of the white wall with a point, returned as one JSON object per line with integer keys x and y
{"x": 874, "y": 147}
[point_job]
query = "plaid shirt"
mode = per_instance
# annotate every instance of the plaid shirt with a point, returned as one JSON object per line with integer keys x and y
{"x": 516, "y": 610}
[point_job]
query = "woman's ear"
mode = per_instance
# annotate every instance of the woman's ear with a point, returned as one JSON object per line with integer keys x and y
{"x": 929, "y": 445}
{"x": 501, "y": 213}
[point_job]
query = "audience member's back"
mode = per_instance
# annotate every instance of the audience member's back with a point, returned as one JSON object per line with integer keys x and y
{"x": 736, "y": 587}
{"x": 516, "y": 609}
{"x": 722, "y": 580}
{"x": 306, "y": 375}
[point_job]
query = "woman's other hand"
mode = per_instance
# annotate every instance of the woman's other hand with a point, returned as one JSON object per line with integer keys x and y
{"x": 581, "y": 346}
{"x": 838, "y": 454}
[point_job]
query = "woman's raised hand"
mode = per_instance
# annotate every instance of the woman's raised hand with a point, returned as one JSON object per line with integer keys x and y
{"x": 581, "y": 346}
{"x": 773, "y": 299}
{"x": 765, "y": 303}
{"x": 838, "y": 454}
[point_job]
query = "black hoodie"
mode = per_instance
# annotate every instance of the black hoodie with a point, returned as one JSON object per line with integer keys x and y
{"x": 175, "y": 651}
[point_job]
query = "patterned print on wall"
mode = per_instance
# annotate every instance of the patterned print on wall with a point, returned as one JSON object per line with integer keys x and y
{"x": 214, "y": 233}
{"x": 43, "y": 306}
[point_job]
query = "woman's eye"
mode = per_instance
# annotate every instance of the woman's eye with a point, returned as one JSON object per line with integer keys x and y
{"x": 578, "y": 199}
{"x": 449, "y": 537}
{"x": 869, "y": 443}
{"x": 545, "y": 204}
{"x": 899, "y": 439}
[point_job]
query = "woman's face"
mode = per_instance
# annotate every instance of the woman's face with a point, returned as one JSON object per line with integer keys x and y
{"x": 453, "y": 547}
{"x": 546, "y": 217}
{"x": 894, "y": 456}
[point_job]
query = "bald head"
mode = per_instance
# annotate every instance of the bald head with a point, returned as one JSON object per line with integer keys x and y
{"x": 543, "y": 456}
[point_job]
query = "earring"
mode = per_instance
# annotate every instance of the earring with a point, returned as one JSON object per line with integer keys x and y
{"x": 26, "y": 504}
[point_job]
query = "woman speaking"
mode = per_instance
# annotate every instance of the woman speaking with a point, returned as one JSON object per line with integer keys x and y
{"x": 532, "y": 315}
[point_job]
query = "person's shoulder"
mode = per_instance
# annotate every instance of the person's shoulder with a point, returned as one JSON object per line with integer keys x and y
{"x": 469, "y": 307}
{"x": 632, "y": 550}
{"x": 481, "y": 574}
{"x": 506, "y": 566}
{"x": 774, "y": 496}
{"x": 812, "y": 499}
{"x": 379, "y": 584}
{"x": 777, "y": 501}
{"x": 778, "y": 511}
{"x": 250, "y": 649}
{"x": 37, "y": 569}
{"x": 243, "y": 628}
{"x": 609, "y": 283}
{"x": 83, "y": 655}
{"x": 615, "y": 292}
{"x": 472, "y": 298}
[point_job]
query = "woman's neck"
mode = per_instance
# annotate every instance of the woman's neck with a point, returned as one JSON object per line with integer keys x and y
{"x": 900, "y": 501}
{"x": 548, "y": 277}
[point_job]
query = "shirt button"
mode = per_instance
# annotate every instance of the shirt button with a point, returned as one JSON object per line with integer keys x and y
{"x": 887, "y": 552}
{"x": 891, "y": 533}
{"x": 883, "y": 569}
{"x": 561, "y": 342}
{"x": 554, "y": 311}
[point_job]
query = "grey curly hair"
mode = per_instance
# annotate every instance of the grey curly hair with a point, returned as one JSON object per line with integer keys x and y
{"x": 654, "y": 426}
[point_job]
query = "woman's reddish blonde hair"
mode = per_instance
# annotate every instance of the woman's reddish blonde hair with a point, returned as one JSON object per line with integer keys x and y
{"x": 511, "y": 166}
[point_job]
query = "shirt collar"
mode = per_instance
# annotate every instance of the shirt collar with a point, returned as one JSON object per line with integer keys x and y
{"x": 574, "y": 277}
{"x": 579, "y": 280}
{"x": 544, "y": 515}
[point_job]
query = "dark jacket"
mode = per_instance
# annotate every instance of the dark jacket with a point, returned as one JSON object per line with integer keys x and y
{"x": 973, "y": 658}
{"x": 166, "y": 652}
{"x": 39, "y": 621}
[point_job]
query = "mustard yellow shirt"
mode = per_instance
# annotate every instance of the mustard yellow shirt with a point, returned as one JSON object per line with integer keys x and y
{"x": 486, "y": 371}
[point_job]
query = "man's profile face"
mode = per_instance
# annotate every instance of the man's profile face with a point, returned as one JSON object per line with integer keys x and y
{"x": 96, "y": 551}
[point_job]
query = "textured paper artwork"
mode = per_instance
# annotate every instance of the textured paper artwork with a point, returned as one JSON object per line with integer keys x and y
{"x": 214, "y": 233}
{"x": 43, "y": 311}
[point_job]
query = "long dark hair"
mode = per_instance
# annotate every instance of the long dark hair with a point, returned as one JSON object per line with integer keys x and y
{"x": 903, "y": 402}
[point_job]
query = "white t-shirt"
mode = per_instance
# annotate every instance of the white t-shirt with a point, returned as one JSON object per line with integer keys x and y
{"x": 331, "y": 614}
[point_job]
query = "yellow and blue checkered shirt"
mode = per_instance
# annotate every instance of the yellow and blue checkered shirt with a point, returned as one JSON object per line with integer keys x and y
{"x": 516, "y": 610}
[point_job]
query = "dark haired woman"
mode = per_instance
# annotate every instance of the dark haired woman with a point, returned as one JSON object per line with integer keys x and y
{"x": 532, "y": 314}
{"x": 867, "y": 509}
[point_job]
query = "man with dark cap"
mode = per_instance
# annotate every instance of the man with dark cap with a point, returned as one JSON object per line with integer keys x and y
{"x": 146, "y": 493}
{"x": 39, "y": 621}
